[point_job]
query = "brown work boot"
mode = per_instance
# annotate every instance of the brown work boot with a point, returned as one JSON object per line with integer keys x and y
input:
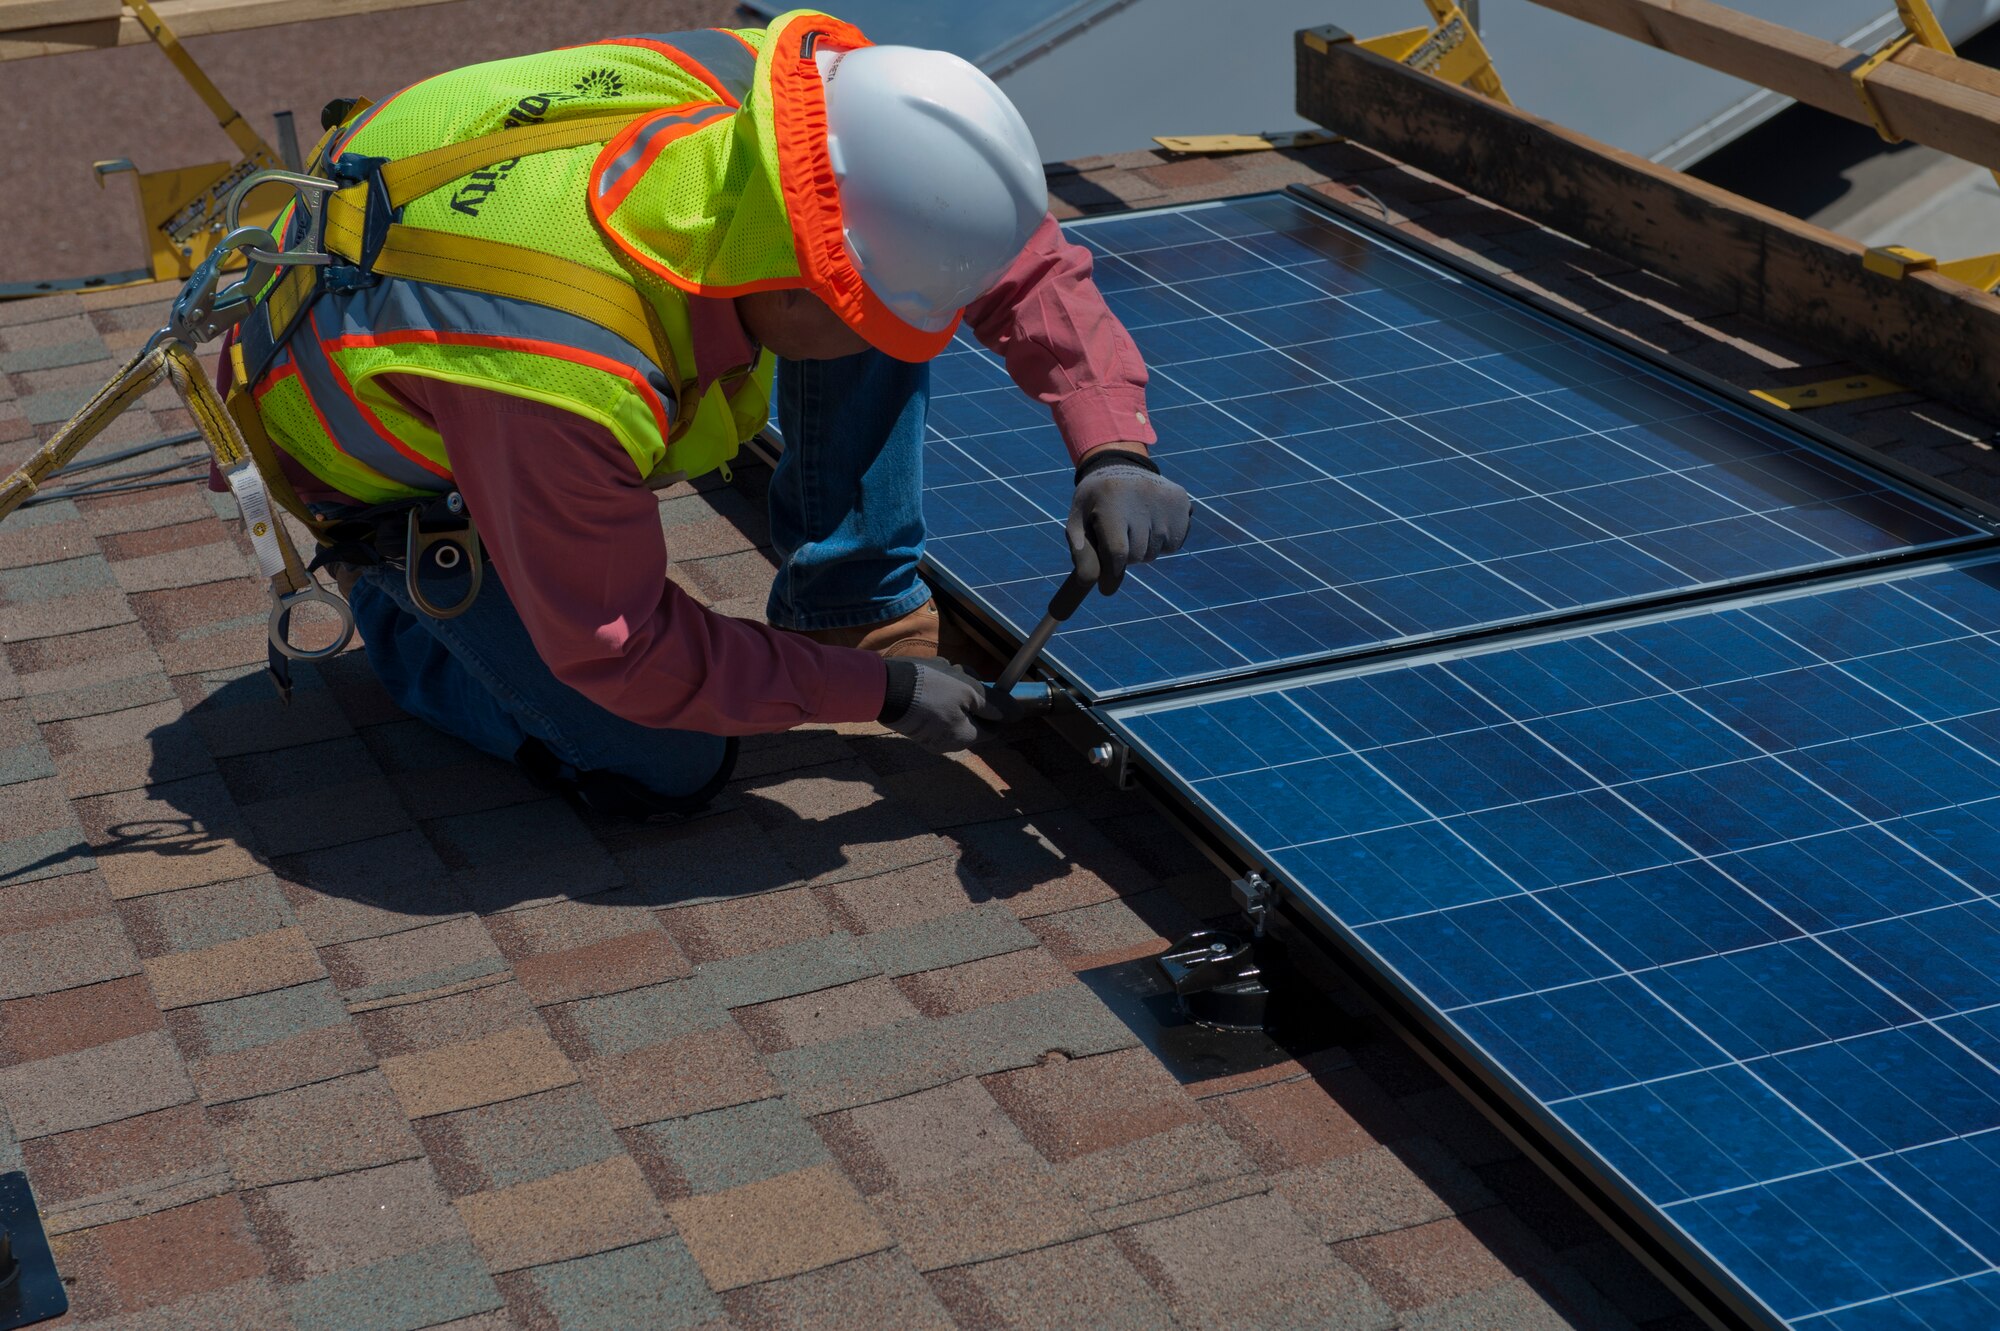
{"x": 914, "y": 634}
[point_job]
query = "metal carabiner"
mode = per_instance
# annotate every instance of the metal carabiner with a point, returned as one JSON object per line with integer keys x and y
{"x": 452, "y": 545}
{"x": 279, "y": 625}
{"x": 310, "y": 193}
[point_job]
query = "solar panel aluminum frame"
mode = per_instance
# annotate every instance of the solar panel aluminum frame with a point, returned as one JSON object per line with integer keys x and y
{"x": 1703, "y": 1285}
{"x": 990, "y": 631}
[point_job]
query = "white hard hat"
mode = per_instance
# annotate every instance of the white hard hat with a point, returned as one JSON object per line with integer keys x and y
{"x": 940, "y": 183}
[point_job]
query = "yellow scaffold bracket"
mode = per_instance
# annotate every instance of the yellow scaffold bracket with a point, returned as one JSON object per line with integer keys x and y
{"x": 1452, "y": 50}
{"x": 1244, "y": 143}
{"x": 1828, "y": 392}
{"x": 1920, "y": 28}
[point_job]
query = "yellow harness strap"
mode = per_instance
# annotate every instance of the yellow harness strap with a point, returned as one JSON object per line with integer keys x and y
{"x": 491, "y": 267}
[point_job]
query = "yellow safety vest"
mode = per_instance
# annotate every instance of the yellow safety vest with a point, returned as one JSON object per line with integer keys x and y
{"x": 653, "y": 167}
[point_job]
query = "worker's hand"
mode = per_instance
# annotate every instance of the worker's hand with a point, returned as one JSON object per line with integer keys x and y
{"x": 1125, "y": 512}
{"x": 938, "y": 705}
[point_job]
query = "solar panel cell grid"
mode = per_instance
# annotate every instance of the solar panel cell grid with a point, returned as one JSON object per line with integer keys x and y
{"x": 1717, "y": 891}
{"x": 1380, "y": 452}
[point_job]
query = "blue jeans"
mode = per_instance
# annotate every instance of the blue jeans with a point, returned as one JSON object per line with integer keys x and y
{"x": 847, "y": 512}
{"x": 846, "y": 507}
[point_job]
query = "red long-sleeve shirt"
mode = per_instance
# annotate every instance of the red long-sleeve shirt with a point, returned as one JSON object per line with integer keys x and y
{"x": 576, "y": 537}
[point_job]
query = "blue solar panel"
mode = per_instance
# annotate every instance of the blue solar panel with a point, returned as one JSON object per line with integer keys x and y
{"x": 1718, "y": 891}
{"x": 1381, "y": 452}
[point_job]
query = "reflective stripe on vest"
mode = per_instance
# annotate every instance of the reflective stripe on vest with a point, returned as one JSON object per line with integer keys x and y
{"x": 403, "y": 312}
{"x": 354, "y": 429}
{"x": 647, "y": 139}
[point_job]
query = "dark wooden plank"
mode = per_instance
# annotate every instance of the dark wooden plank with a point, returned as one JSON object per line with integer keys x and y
{"x": 1923, "y": 330}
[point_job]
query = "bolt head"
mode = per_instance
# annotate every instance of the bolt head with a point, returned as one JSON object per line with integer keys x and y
{"x": 1100, "y": 755}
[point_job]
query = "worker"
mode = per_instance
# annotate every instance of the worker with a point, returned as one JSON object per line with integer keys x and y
{"x": 790, "y": 201}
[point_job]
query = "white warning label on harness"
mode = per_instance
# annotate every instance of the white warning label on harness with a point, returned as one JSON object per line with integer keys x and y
{"x": 258, "y": 519}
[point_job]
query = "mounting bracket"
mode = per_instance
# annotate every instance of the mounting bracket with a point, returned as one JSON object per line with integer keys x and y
{"x": 30, "y": 1289}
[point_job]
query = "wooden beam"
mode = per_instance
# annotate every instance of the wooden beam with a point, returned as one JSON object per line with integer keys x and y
{"x": 18, "y": 14}
{"x": 188, "y": 18}
{"x": 1925, "y": 96}
{"x": 1921, "y": 329}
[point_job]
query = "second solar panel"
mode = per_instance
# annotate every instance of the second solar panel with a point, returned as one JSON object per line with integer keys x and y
{"x": 1380, "y": 453}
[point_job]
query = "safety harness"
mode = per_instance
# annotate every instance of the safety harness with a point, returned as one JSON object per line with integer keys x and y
{"x": 343, "y": 231}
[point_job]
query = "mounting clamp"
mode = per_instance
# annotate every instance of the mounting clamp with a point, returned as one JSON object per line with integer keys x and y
{"x": 1115, "y": 757}
{"x": 1255, "y": 894}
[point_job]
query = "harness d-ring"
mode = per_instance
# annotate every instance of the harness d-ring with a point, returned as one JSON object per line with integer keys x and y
{"x": 280, "y": 623}
{"x": 451, "y": 545}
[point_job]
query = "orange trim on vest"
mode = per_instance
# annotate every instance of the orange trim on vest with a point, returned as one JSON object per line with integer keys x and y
{"x": 679, "y": 57}
{"x": 531, "y": 345}
{"x": 812, "y": 194}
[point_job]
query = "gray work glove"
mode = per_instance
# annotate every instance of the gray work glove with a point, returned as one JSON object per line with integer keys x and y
{"x": 1126, "y": 512}
{"x": 938, "y": 705}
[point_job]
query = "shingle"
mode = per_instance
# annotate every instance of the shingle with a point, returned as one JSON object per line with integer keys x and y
{"x": 1165, "y": 1173}
{"x": 274, "y": 960}
{"x": 1046, "y": 863}
{"x": 1114, "y": 931}
{"x": 1425, "y": 1264}
{"x": 329, "y": 1127}
{"x": 116, "y": 1171}
{"x": 971, "y": 787}
{"x": 181, "y": 834}
{"x": 1087, "y": 1283}
{"x": 517, "y": 1141}
{"x": 63, "y": 956}
{"x": 1512, "y": 1304}
{"x": 248, "y": 1305}
{"x": 583, "y": 949}
{"x": 205, "y": 916}
{"x": 423, "y": 1288}
{"x": 38, "y": 905}
{"x": 351, "y": 1220}
{"x": 1382, "y": 1189}
{"x": 759, "y": 977}
{"x": 1073, "y": 1107}
{"x": 517, "y": 1061}
{"x": 705, "y": 1069}
{"x": 652, "y": 1285}
{"x": 410, "y": 1028}
{"x": 898, "y": 897}
{"x": 619, "y": 1023}
{"x": 268, "y": 1042}
{"x": 753, "y": 924}
{"x": 1301, "y": 1123}
{"x": 723, "y": 856}
{"x": 946, "y": 941}
{"x": 777, "y": 1227}
{"x": 866, "y": 1293}
{"x": 826, "y": 1014}
{"x": 432, "y": 956}
{"x": 593, "y": 1208}
{"x": 143, "y": 1262}
{"x": 1249, "y": 1262}
{"x": 96, "y": 1085}
{"x": 909, "y": 1056}
{"x": 725, "y": 1148}
{"x": 73, "y": 1019}
{"x": 367, "y": 889}
{"x": 522, "y": 854}
{"x": 974, "y": 984}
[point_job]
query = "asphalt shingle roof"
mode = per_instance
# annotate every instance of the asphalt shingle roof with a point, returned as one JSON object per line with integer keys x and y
{"x": 311, "y": 1017}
